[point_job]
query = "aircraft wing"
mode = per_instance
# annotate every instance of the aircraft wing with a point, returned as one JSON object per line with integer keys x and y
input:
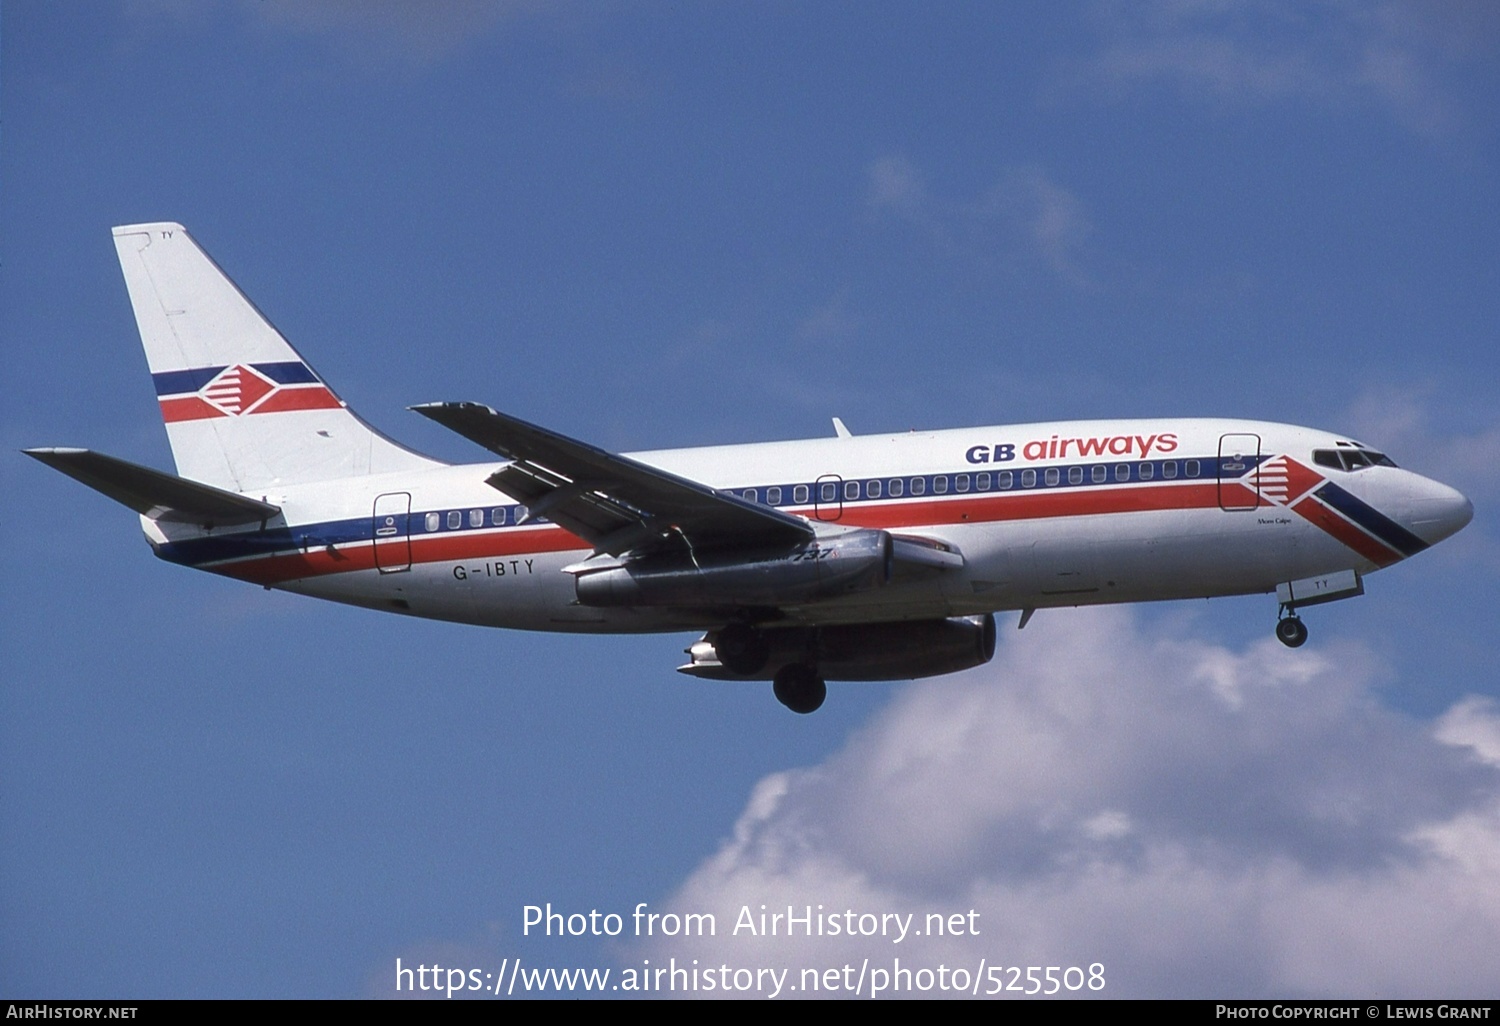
{"x": 155, "y": 494}
{"x": 614, "y": 503}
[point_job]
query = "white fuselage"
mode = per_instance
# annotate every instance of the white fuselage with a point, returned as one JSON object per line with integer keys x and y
{"x": 1057, "y": 514}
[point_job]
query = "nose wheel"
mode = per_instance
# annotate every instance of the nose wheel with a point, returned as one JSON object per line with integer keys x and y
{"x": 1291, "y": 631}
{"x": 799, "y": 688}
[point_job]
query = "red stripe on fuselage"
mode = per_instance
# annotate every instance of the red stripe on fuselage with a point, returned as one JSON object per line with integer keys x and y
{"x": 318, "y": 562}
{"x": 1319, "y": 515}
{"x": 970, "y": 509}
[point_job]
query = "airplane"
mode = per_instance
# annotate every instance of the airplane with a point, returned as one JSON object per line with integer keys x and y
{"x": 851, "y": 557}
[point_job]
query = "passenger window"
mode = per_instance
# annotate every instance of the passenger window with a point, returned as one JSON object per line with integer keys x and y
{"x": 455, "y": 520}
{"x": 521, "y": 512}
{"x": 749, "y": 495}
{"x": 1122, "y": 471}
{"x": 476, "y": 518}
{"x": 829, "y": 492}
{"x": 895, "y": 489}
{"x": 851, "y": 490}
{"x": 1100, "y": 474}
{"x": 918, "y": 485}
{"x": 434, "y": 521}
{"x": 940, "y": 485}
{"x": 1169, "y": 469}
{"x": 799, "y": 493}
{"x": 1146, "y": 471}
{"x": 982, "y": 483}
{"x": 1075, "y": 475}
{"x": 1191, "y": 468}
{"x": 1028, "y": 478}
{"x": 1004, "y": 480}
{"x": 497, "y": 516}
{"x": 773, "y": 496}
{"x": 872, "y": 489}
{"x": 1053, "y": 475}
{"x": 961, "y": 483}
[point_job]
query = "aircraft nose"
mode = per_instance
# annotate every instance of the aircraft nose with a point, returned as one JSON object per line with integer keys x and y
{"x": 1438, "y": 511}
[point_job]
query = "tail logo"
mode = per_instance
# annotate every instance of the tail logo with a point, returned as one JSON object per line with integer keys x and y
{"x": 241, "y": 390}
{"x": 237, "y": 389}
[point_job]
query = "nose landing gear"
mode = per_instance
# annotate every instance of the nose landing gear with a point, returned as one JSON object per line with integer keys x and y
{"x": 1291, "y": 631}
{"x": 1311, "y": 591}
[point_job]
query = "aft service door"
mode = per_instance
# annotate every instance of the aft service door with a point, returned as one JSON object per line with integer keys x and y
{"x": 391, "y": 540}
{"x": 1239, "y": 486}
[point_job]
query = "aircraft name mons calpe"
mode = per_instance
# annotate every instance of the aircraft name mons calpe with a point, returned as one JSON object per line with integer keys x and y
{"x": 843, "y": 558}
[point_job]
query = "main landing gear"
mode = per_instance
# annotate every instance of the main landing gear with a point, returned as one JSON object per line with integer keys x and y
{"x": 1291, "y": 631}
{"x": 799, "y": 688}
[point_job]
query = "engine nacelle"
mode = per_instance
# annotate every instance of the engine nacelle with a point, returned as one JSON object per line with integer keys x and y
{"x": 866, "y": 651}
{"x": 820, "y": 569}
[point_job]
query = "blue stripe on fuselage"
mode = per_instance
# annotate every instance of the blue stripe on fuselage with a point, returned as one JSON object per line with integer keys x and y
{"x": 1371, "y": 519}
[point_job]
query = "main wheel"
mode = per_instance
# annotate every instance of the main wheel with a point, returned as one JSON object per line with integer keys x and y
{"x": 742, "y": 649}
{"x": 1291, "y": 632}
{"x": 799, "y": 688}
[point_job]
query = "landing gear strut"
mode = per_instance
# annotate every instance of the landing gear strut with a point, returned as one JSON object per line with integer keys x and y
{"x": 1291, "y": 631}
{"x": 799, "y": 688}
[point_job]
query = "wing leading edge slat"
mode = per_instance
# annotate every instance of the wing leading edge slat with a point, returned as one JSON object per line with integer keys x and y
{"x": 613, "y": 502}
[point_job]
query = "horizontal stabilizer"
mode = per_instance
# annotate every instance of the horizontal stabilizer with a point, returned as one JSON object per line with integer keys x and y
{"x": 613, "y": 502}
{"x": 154, "y": 494}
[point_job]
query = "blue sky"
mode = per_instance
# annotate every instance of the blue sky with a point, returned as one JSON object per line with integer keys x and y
{"x": 653, "y": 225}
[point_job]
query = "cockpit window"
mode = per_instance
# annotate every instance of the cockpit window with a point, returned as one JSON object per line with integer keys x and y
{"x": 1351, "y": 459}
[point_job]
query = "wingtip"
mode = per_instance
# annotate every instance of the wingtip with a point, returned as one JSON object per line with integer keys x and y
{"x": 433, "y": 409}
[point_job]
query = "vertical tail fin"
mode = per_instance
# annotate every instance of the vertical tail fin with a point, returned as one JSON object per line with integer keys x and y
{"x": 243, "y": 410}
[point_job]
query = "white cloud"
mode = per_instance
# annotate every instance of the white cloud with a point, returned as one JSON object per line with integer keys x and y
{"x": 1399, "y": 420}
{"x": 394, "y": 29}
{"x": 1204, "y": 822}
{"x": 1025, "y": 212}
{"x": 1392, "y": 54}
{"x": 1049, "y": 215}
{"x": 831, "y": 323}
{"x": 896, "y": 186}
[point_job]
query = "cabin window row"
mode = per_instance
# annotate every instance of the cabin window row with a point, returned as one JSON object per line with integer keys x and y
{"x": 878, "y": 488}
{"x": 456, "y": 519}
{"x": 997, "y": 481}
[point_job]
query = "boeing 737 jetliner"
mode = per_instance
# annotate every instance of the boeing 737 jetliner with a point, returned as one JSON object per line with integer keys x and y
{"x": 877, "y": 557}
